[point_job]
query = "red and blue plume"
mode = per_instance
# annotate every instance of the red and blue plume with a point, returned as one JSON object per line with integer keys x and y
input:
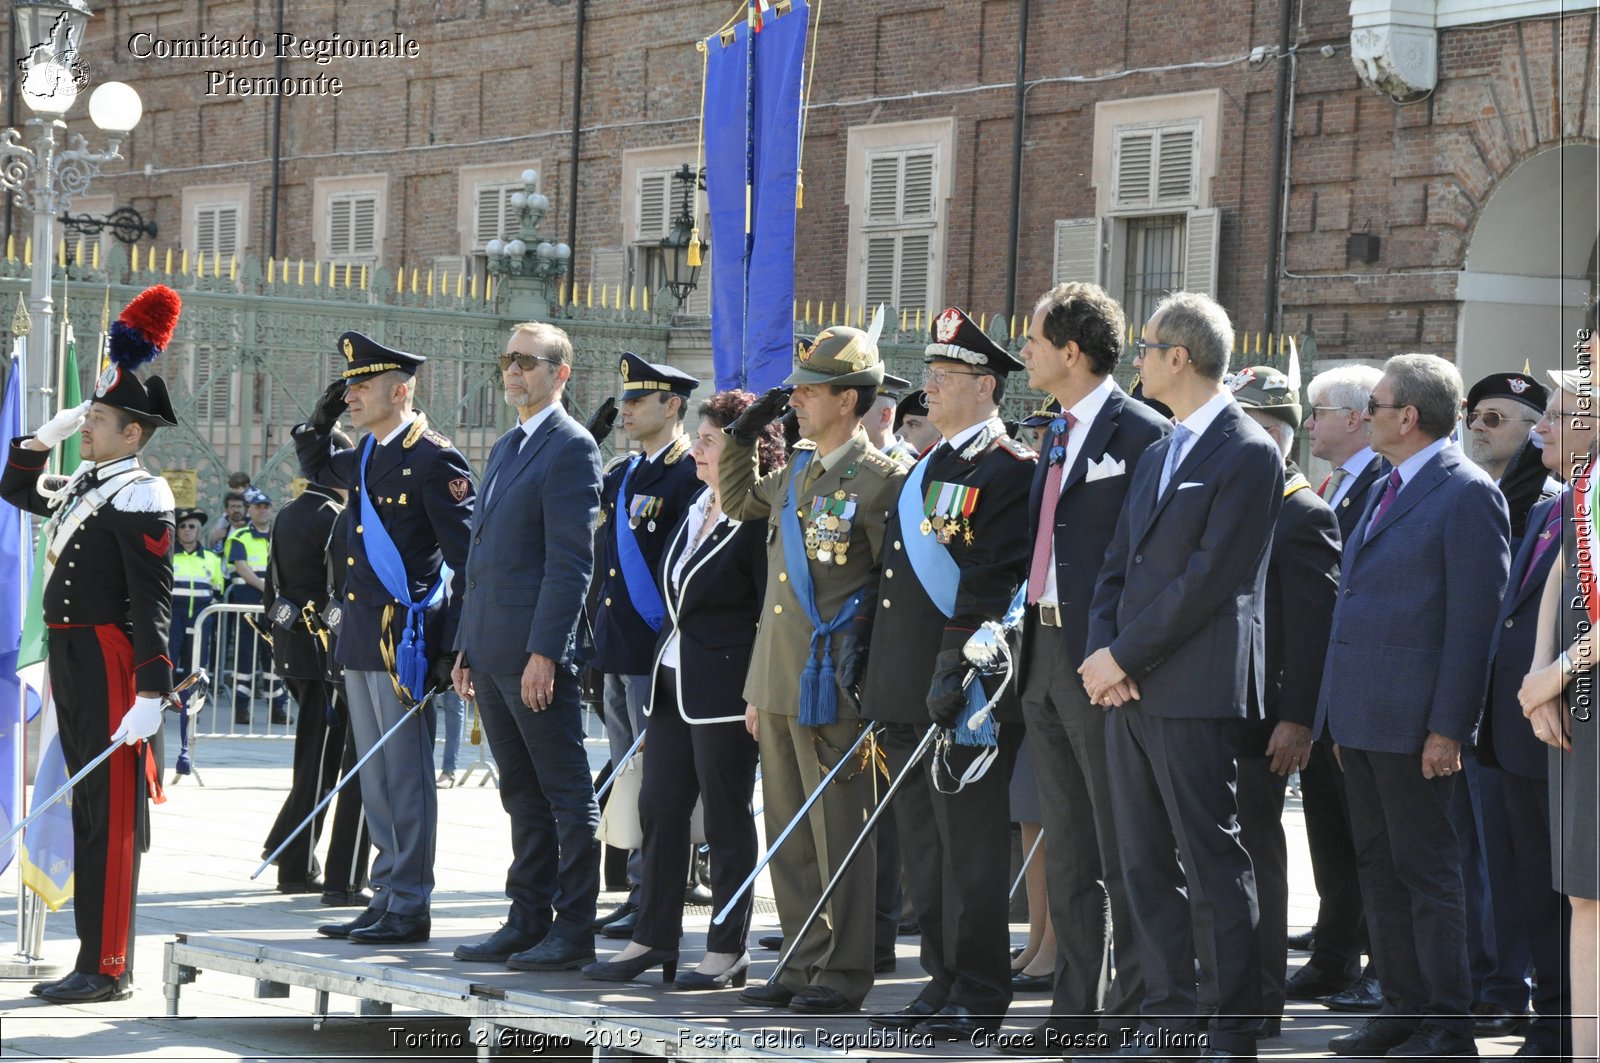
{"x": 144, "y": 327}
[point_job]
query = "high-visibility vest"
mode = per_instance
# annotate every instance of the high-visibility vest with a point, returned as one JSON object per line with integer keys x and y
{"x": 196, "y": 581}
{"x": 256, "y": 546}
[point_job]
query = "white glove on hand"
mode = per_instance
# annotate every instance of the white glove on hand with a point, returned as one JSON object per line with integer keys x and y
{"x": 141, "y": 721}
{"x": 64, "y": 425}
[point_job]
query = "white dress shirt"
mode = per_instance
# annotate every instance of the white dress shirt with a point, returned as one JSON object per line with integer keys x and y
{"x": 1083, "y": 412}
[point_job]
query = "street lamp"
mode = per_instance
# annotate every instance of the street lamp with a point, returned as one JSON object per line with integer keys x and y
{"x": 44, "y": 179}
{"x": 529, "y": 264}
{"x": 682, "y": 276}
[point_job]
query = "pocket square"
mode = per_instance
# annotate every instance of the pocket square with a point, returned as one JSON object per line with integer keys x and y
{"x": 1104, "y": 468}
{"x": 1191, "y": 483}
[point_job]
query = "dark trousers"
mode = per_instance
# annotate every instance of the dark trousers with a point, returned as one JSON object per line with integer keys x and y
{"x": 91, "y": 679}
{"x": 1341, "y": 928}
{"x": 887, "y": 905}
{"x": 1187, "y": 875}
{"x": 322, "y": 751}
{"x": 1083, "y": 872}
{"x": 715, "y": 762}
{"x": 1497, "y": 944}
{"x": 546, "y": 789}
{"x": 957, "y": 849}
{"x": 1261, "y": 831}
{"x": 1545, "y": 913}
{"x": 1411, "y": 883}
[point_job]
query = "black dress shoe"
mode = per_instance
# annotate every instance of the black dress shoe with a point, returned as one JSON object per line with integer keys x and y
{"x": 699, "y": 893}
{"x": 622, "y": 927}
{"x": 1490, "y": 1020}
{"x": 498, "y": 946}
{"x": 1032, "y": 983}
{"x": 1305, "y": 942}
{"x": 954, "y": 1022}
{"x": 340, "y": 930}
{"x": 1433, "y": 1041}
{"x": 1312, "y": 983}
{"x": 614, "y": 914}
{"x": 309, "y": 886}
{"x": 630, "y": 969}
{"x": 552, "y": 954}
{"x": 909, "y": 1017}
{"x": 734, "y": 976}
{"x": 1364, "y": 994}
{"x": 908, "y": 927}
{"x": 1271, "y": 1026}
{"x": 767, "y": 995}
{"x": 345, "y": 898}
{"x": 821, "y": 1000}
{"x": 1375, "y": 1038}
{"x": 80, "y": 988}
{"x": 771, "y": 941}
{"x": 40, "y": 987}
{"x": 393, "y": 929}
{"x": 883, "y": 965}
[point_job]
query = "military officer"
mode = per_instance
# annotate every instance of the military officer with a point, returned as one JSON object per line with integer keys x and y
{"x": 107, "y": 602}
{"x": 956, "y": 556}
{"x": 412, "y": 496}
{"x": 245, "y": 554}
{"x": 879, "y": 424}
{"x": 911, "y": 422}
{"x": 640, "y": 503}
{"x": 826, "y": 512}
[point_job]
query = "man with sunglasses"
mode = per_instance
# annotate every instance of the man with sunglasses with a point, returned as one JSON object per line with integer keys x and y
{"x": 1502, "y": 409}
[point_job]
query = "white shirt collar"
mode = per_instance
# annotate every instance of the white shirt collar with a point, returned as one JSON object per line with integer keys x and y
{"x": 1413, "y": 465}
{"x": 532, "y": 424}
{"x": 663, "y": 450}
{"x": 1198, "y": 421}
{"x": 1086, "y": 409}
{"x": 1358, "y": 461}
{"x": 116, "y": 465}
{"x": 392, "y": 436}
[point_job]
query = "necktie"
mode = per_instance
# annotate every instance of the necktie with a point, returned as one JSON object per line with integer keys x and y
{"x": 522, "y": 437}
{"x": 1547, "y": 538}
{"x": 813, "y": 472}
{"x": 1330, "y": 487}
{"x": 1044, "y": 537}
{"x": 1180, "y": 436}
{"x": 1388, "y": 497}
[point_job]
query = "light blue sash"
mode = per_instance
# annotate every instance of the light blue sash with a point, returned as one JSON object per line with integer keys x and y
{"x": 819, "y": 697}
{"x": 636, "y": 575}
{"x": 411, "y": 657}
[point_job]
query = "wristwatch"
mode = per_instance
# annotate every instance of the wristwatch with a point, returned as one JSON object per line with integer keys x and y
{"x": 1565, "y": 662}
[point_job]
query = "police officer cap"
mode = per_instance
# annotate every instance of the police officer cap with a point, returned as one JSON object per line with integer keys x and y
{"x": 1519, "y": 387}
{"x": 640, "y": 377}
{"x": 957, "y": 338}
{"x": 913, "y": 405}
{"x": 254, "y": 496}
{"x": 1261, "y": 387}
{"x": 893, "y": 386}
{"x": 191, "y": 514}
{"x": 364, "y": 356}
{"x": 842, "y": 356}
{"x": 1041, "y": 417}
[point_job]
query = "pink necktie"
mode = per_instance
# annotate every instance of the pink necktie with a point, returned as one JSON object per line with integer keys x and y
{"x": 1388, "y": 497}
{"x": 1056, "y": 455}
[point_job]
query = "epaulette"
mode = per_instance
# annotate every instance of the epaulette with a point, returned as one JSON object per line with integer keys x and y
{"x": 1016, "y": 448}
{"x": 881, "y": 464}
{"x": 616, "y": 462}
{"x": 806, "y": 444}
{"x": 675, "y": 453}
{"x": 148, "y": 494}
{"x": 438, "y": 439}
{"x": 1297, "y": 482}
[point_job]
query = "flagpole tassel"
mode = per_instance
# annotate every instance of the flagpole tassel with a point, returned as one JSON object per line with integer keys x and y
{"x": 694, "y": 246}
{"x": 799, "y": 189}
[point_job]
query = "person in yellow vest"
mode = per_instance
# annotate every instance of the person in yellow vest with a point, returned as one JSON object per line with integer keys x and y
{"x": 246, "y": 552}
{"x": 196, "y": 584}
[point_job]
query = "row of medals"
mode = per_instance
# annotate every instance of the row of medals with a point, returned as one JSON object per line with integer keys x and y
{"x": 828, "y": 539}
{"x": 946, "y": 529}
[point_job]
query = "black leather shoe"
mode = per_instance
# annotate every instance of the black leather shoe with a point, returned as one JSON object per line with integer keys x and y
{"x": 734, "y": 976}
{"x": 552, "y": 954}
{"x": 1488, "y": 1020}
{"x": 1432, "y": 1041}
{"x": 622, "y": 927}
{"x": 40, "y": 987}
{"x": 883, "y": 965}
{"x": 821, "y": 1000}
{"x": 312, "y": 886}
{"x": 767, "y": 995}
{"x": 345, "y": 898}
{"x": 1364, "y": 994}
{"x": 1305, "y": 942}
{"x": 1032, "y": 983}
{"x": 614, "y": 914}
{"x": 1312, "y": 983}
{"x": 908, "y": 927}
{"x": 393, "y": 929}
{"x": 1271, "y": 1026}
{"x": 699, "y": 894}
{"x": 1375, "y": 1038}
{"x": 628, "y": 970}
{"x": 80, "y": 988}
{"x": 954, "y": 1022}
{"x": 771, "y": 941}
{"x": 909, "y": 1017}
{"x": 340, "y": 930}
{"x": 499, "y": 946}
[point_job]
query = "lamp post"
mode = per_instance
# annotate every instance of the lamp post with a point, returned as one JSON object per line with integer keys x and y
{"x": 682, "y": 277}
{"x": 45, "y": 178}
{"x": 528, "y": 264}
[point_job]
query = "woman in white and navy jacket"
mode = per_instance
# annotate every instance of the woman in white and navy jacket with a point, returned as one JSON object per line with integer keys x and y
{"x": 712, "y": 581}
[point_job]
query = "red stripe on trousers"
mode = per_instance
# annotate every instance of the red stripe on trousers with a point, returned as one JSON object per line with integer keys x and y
{"x": 117, "y": 905}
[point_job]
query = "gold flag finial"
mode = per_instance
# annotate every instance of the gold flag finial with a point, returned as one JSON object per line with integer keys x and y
{"x": 21, "y": 321}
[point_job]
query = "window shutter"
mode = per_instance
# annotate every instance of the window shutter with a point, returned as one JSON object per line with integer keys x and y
{"x": 883, "y": 188}
{"x": 1200, "y": 251}
{"x": 339, "y": 229}
{"x": 654, "y": 206}
{"x": 918, "y": 199}
{"x": 205, "y": 231}
{"x": 916, "y": 261}
{"x": 364, "y": 240}
{"x": 880, "y": 269}
{"x": 1133, "y": 166}
{"x": 608, "y": 266}
{"x": 1175, "y": 171}
{"x": 494, "y": 217}
{"x": 1077, "y": 251}
{"x": 227, "y": 232}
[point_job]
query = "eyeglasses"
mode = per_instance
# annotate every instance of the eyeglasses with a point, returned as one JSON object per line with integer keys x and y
{"x": 1327, "y": 409}
{"x": 1493, "y": 419}
{"x": 940, "y": 376}
{"x": 1141, "y": 346}
{"x": 525, "y": 362}
{"x": 1373, "y": 406}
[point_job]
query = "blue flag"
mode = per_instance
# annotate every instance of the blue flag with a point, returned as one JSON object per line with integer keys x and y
{"x": 14, "y": 563}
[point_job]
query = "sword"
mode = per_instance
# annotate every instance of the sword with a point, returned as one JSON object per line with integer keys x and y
{"x": 351, "y": 774}
{"x": 1025, "y": 862}
{"x": 798, "y": 816}
{"x": 104, "y": 755}
{"x": 626, "y": 757}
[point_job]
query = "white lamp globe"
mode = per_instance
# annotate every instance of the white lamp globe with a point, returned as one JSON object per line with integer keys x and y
{"x": 516, "y": 249}
{"x": 115, "y": 107}
{"x": 563, "y": 252}
{"x": 519, "y": 200}
{"x": 529, "y": 176}
{"x": 539, "y": 201}
{"x": 495, "y": 247}
{"x": 48, "y": 89}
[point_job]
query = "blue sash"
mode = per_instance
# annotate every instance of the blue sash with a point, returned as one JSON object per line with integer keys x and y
{"x": 940, "y": 577}
{"x": 636, "y": 574}
{"x": 411, "y": 658}
{"x": 819, "y": 697}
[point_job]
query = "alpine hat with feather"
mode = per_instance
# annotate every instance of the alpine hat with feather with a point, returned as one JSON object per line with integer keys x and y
{"x": 140, "y": 333}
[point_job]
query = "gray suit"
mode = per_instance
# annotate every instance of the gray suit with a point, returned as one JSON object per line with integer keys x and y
{"x": 527, "y": 572}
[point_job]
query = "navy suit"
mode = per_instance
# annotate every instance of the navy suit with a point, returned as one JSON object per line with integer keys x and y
{"x": 526, "y": 576}
{"x": 1083, "y": 872}
{"x": 1398, "y": 669}
{"x": 1180, "y": 604}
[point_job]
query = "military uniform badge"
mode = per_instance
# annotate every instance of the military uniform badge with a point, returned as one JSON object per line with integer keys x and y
{"x": 828, "y": 527}
{"x": 644, "y": 509}
{"x": 948, "y": 510}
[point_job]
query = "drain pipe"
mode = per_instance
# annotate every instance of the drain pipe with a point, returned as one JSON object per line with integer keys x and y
{"x": 1280, "y": 107}
{"x": 277, "y": 145}
{"x": 1016, "y": 162}
{"x": 572, "y": 164}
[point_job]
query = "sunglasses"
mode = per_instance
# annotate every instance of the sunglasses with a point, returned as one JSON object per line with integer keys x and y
{"x": 1492, "y": 419}
{"x": 1373, "y": 406}
{"x": 525, "y": 362}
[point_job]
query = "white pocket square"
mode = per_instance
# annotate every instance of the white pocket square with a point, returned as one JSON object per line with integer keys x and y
{"x": 1105, "y": 468}
{"x": 1191, "y": 483}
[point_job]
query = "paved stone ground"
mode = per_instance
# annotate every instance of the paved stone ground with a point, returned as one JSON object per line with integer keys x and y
{"x": 196, "y": 880}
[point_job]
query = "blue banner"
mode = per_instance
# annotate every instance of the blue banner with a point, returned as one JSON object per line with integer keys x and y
{"x": 752, "y": 130}
{"x": 14, "y": 562}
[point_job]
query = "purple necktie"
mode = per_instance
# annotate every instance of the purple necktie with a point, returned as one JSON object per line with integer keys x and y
{"x": 1388, "y": 497}
{"x": 1546, "y": 539}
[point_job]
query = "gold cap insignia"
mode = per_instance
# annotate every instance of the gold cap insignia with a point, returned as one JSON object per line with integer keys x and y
{"x": 349, "y": 350}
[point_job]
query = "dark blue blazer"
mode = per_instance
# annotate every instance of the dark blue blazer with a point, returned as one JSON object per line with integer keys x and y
{"x": 1355, "y": 500}
{"x": 1417, "y": 599}
{"x": 1505, "y": 738}
{"x": 532, "y": 553}
{"x": 1181, "y": 596}
{"x": 1086, "y": 514}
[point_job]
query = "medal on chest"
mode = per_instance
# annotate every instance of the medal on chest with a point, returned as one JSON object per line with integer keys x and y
{"x": 644, "y": 509}
{"x": 948, "y": 510}
{"x": 827, "y": 527}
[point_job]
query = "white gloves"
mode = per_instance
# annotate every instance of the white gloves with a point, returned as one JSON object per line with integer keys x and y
{"x": 142, "y": 720}
{"x": 64, "y": 425}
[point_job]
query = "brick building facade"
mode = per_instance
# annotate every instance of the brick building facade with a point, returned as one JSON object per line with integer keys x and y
{"x": 1146, "y": 157}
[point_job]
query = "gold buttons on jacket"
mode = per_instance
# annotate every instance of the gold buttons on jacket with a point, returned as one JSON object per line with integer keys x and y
{"x": 777, "y": 609}
{"x": 349, "y": 560}
{"x": 351, "y": 596}
{"x": 886, "y": 603}
{"x": 608, "y": 601}
{"x": 783, "y": 577}
{"x": 359, "y": 529}
{"x": 613, "y": 572}
{"x": 888, "y": 573}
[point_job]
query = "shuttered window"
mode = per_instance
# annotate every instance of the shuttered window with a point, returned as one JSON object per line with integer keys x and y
{"x": 656, "y": 208}
{"x": 901, "y": 228}
{"x": 353, "y": 225}
{"x": 216, "y": 230}
{"x": 1156, "y": 167}
{"x": 494, "y": 218}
